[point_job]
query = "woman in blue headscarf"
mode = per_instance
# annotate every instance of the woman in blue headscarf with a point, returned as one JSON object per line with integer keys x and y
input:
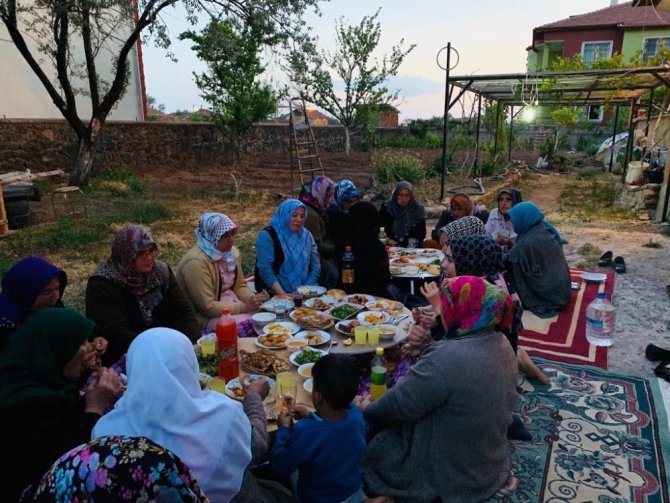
{"x": 539, "y": 270}
{"x": 286, "y": 253}
{"x": 30, "y": 285}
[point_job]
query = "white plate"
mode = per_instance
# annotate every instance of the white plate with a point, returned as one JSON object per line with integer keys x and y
{"x": 593, "y": 276}
{"x": 311, "y": 290}
{"x": 308, "y": 385}
{"x": 261, "y": 345}
{"x": 329, "y": 301}
{"x": 378, "y": 305}
{"x": 295, "y": 355}
{"x": 385, "y": 317}
{"x": 338, "y": 327}
{"x": 396, "y": 270}
{"x": 356, "y": 299}
{"x": 302, "y": 369}
{"x": 325, "y": 336}
{"x": 289, "y": 325}
{"x": 387, "y": 337}
{"x": 293, "y": 313}
{"x": 269, "y": 305}
{"x": 235, "y": 384}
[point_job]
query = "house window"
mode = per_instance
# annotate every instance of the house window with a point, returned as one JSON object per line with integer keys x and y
{"x": 595, "y": 51}
{"x": 594, "y": 113}
{"x": 652, "y": 45}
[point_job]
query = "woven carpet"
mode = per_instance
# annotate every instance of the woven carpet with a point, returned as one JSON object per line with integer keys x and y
{"x": 563, "y": 337}
{"x": 597, "y": 437}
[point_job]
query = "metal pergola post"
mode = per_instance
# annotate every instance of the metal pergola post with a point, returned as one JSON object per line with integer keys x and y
{"x": 649, "y": 110}
{"x": 479, "y": 120}
{"x": 629, "y": 143}
{"x": 497, "y": 125}
{"x": 616, "y": 120}
{"x": 511, "y": 122}
{"x": 444, "y": 127}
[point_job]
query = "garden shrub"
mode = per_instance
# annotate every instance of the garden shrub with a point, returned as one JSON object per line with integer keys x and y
{"x": 394, "y": 167}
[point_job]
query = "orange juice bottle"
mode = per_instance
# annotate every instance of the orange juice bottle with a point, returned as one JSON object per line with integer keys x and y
{"x": 226, "y": 346}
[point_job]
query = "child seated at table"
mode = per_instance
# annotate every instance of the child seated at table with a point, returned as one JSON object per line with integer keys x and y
{"x": 325, "y": 447}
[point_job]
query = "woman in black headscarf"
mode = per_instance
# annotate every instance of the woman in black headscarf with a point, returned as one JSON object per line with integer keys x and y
{"x": 402, "y": 217}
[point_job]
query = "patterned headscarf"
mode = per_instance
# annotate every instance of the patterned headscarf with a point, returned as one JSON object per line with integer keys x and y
{"x": 466, "y": 226}
{"x": 317, "y": 192}
{"x": 461, "y": 201}
{"x": 476, "y": 256}
{"x": 120, "y": 268}
{"x": 21, "y": 285}
{"x": 404, "y": 218}
{"x": 345, "y": 190}
{"x": 470, "y": 303}
{"x": 512, "y": 193}
{"x": 527, "y": 215}
{"x": 211, "y": 227}
{"x": 117, "y": 468}
{"x": 297, "y": 246}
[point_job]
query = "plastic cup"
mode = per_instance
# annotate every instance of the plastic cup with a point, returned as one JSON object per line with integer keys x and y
{"x": 373, "y": 336}
{"x": 208, "y": 345}
{"x": 286, "y": 389}
{"x": 360, "y": 335}
{"x": 280, "y": 310}
{"x": 217, "y": 384}
{"x": 412, "y": 243}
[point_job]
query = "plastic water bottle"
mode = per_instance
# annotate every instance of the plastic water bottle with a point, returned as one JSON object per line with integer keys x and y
{"x": 226, "y": 346}
{"x": 378, "y": 375}
{"x": 382, "y": 236}
{"x": 348, "y": 274}
{"x": 600, "y": 321}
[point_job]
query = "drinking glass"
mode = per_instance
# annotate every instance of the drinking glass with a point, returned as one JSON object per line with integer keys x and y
{"x": 373, "y": 336}
{"x": 412, "y": 243}
{"x": 208, "y": 345}
{"x": 217, "y": 384}
{"x": 280, "y": 309}
{"x": 287, "y": 388}
{"x": 297, "y": 299}
{"x": 360, "y": 334}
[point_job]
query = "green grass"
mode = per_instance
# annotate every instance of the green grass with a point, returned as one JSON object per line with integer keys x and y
{"x": 591, "y": 254}
{"x": 652, "y": 244}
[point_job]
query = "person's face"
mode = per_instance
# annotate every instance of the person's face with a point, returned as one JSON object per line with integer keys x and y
{"x": 458, "y": 212}
{"x": 349, "y": 203}
{"x": 83, "y": 359}
{"x": 448, "y": 264}
{"x": 145, "y": 260}
{"x": 504, "y": 203}
{"x": 227, "y": 241}
{"x": 297, "y": 220}
{"x": 403, "y": 198}
{"x": 48, "y": 296}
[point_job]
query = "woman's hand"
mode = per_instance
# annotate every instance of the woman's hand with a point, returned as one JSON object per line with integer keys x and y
{"x": 432, "y": 294}
{"x": 100, "y": 345}
{"x": 504, "y": 241}
{"x": 100, "y": 392}
{"x": 418, "y": 338}
{"x": 260, "y": 386}
{"x": 363, "y": 402}
{"x": 299, "y": 410}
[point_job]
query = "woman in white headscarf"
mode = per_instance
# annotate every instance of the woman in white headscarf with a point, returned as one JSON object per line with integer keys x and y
{"x": 210, "y": 432}
{"x": 210, "y": 274}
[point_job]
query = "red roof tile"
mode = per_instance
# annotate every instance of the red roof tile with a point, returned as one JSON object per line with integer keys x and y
{"x": 624, "y": 15}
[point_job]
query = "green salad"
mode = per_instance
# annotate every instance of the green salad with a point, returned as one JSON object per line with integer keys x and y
{"x": 208, "y": 364}
{"x": 344, "y": 311}
{"x": 307, "y": 356}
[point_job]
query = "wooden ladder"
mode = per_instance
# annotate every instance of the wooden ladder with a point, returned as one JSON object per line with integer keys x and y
{"x": 303, "y": 144}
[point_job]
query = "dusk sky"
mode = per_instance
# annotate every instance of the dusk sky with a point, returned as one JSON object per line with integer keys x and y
{"x": 490, "y": 35}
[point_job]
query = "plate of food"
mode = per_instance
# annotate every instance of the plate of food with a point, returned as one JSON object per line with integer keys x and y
{"x": 336, "y": 293}
{"x": 281, "y": 327}
{"x": 235, "y": 389}
{"x": 316, "y": 322}
{"x": 378, "y": 305}
{"x": 593, "y": 277}
{"x": 209, "y": 364}
{"x": 396, "y": 270}
{"x": 403, "y": 260}
{"x": 313, "y": 337}
{"x": 344, "y": 311}
{"x": 311, "y": 290}
{"x": 373, "y": 317}
{"x": 302, "y": 312}
{"x": 263, "y": 362}
{"x": 359, "y": 298}
{"x": 309, "y": 355}
{"x": 346, "y": 328}
{"x": 321, "y": 303}
{"x": 273, "y": 340}
{"x": 271, "y": 305}
{"x": 430, "y": 252}
{"x": 395, "y": 308}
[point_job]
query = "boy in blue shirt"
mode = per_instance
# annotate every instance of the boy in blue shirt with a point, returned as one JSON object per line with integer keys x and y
{"x": 325, "y": 447}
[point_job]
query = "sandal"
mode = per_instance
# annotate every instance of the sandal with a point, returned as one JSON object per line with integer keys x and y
{"x": 605, "y": 260}
{"x": 619, "y": 265}
{"x": 663, "y": 370}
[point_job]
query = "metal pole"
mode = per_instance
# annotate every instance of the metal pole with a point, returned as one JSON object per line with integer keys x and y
{"x": 511, "y": 122}
{"x": 495, "y": 135}
{"x": 444, "y": 126}
{"x": 649, "y": 109}
{"x": 479, "y": 119}
{"x": 629, "y": 143}
{"x": 616, "y": 120}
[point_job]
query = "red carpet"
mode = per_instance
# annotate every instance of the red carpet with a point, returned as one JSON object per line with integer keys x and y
{"x": 563, "y": 338}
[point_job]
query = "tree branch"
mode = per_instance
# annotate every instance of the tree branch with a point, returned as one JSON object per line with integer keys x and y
{"x": 90, "y": 58}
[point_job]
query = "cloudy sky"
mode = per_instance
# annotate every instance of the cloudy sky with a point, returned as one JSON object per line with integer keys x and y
{"x": 490, "y": 35}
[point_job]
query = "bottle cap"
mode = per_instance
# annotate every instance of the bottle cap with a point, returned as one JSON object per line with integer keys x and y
{"x": 379, "y": 351}
{"x": 226, "y": 310}
{"x": 602, "y": 295}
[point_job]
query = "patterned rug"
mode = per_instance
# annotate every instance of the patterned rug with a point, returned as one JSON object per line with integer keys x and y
{"x": 563, "y": 338}
{"x": 597, "y": 437}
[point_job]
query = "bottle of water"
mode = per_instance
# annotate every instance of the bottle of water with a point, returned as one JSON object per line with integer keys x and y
{"x": 378, "y": 375}
{"x": 600, "y": 321}
{"x": 382, "y": 236}
{"x": 348, "y": 273}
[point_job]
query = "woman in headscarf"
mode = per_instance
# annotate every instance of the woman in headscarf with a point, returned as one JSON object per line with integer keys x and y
{"x": 210, "y": 274}
{"x": 117, "y": 469}
{"x": 286, "y": 254}
{"x": 466, "y": 226}
{"x": 344, "y": 197}
{"x": 317, "y": 196}
{"x": 499, "y": 226}
{"x": 164, "y": 402}
{"x": 42, "y": 414}
{"x": 460, "y": 205}
{"x": 447, "y": 399}
{"x": 539, "y": 271}
{"x": 31, "y": 284}
{"x": 402, "y": 217}
{"x": 132, "y": 291}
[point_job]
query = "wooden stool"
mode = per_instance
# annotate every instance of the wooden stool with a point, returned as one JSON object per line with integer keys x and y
{"x": 73, "y": 206}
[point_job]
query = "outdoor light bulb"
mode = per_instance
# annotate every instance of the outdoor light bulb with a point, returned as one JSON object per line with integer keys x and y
{"x": 528, "y": 114}
{"x": 536, "y": 103}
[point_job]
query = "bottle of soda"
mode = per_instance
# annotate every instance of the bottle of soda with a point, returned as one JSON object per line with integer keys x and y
{"x": 382, "y": 236}
{"x": 600, "y": 321}
{"x": 348, "y": 276}
{"x": 378, "y": 375}
{"x": 226, "y": 346}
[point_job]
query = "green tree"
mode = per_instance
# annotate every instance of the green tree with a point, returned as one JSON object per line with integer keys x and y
{"x": 363, "y": 77}
{"x": 231, "y": 48}
{"x": 106, "y": 32}
{"x": 563, "y": 117}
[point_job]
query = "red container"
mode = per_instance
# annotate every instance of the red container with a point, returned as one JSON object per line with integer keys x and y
{"x": 226, "y": 346}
